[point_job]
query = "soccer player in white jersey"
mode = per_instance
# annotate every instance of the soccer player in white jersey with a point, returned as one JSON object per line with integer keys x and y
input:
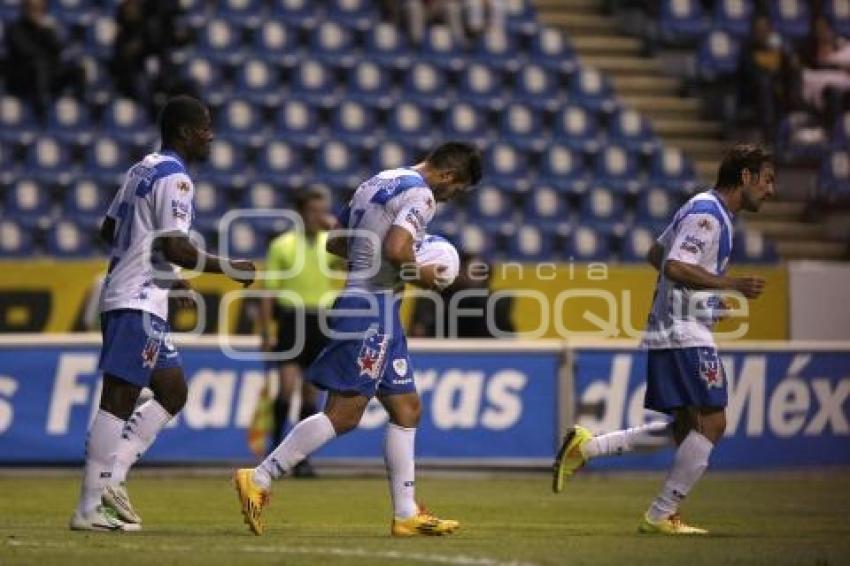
{"x": 147, "y": 226}
{"x": 367, "y": 354}
{"x": 685, "y": 377}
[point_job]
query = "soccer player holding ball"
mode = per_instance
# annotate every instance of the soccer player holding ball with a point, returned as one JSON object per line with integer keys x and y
{"x": 685, "y": 377}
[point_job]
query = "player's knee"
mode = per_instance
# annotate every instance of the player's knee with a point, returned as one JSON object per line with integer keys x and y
{"x": 172, "y": 398}
{"x": 409, "y": 414}
{"x": 344, "y": 422}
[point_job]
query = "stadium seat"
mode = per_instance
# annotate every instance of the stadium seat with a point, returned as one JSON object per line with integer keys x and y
{"x": 530, "y": 242}
{"x": 439, "y": 48}
{"x": 15, "y": 240}
{"x": 100, "y": 37}
{"x": 371, "y": 84}
{"x": 497, "y": 50}
{"x": 313, "y": 80}
{"x": 835, "y": 174}
{"x": 616, "y": 168}
{"x": 206, "y": 75}
{"x": 489, "y": 205}
{"x": 718, "y": 56}
{"x": 69, "y": 121}
{"x": 673, "y": 171}
{"x": 209, "y": 204}
{"x": 636, "y": 244}
{"x": 507, "y": 167}
{"x": 357, "y": 14}
{"x": 838, "y": 13}
{"x": 563, "y": 168}
{"x": 220, "y": 41}
{"x": 239, "y": 121}
{"x": 244, "y": 239}
{"x": 386, "y": 46}
{"x": 551, "y": 49}
{"x": 655, "y": 207}
{"x": 791, "y": 18}
{"x": 801, "y": 138}
{"x": 127, "y": 122}
{"x": 338, "y": 164}
{"x": 576, "y": 128}
{"x": 521, "y": 17}
{"x": 602, "y": 209}
{"x": 67, "y": 239}
{"x": 734, "y": 17}
{"x": 72, "y": 12}
{"x": 545, "y": 206}
{"x": 522, "y": 127}
{"x": 841, "y": 132}
{"x": 753, "y": 247}
{"x": 297, "y": 13}
{"x": 590, "y": 89}
{"x": 106, "y": 160}
{"x": 354, "y": 124}
{"x": 410, "y": 125}
{"x": 17, "y": 125}
{"x": 447, "y": 222}
{"x": 275, "y": 43}
{"x": 682, "y": 22}
{"x": 243, "y": 13}
{"x": 332, "y": 44}
{"x": 85, "y": 203}
{"x": 481, "y": 85}
{"x": 389, "y": 154}
{"x": 225, "y": 167}
{"x": 259, "y": 82}
{"x": 632, "y": 131}
{"x": 587, "y": 244}
{"x": 464, "y": 122}
{"x": 99, "y": 88}
{"x": 27, "y": 202}
{"x": 262, "y": 196}
{"x": 537, "y": 87}
{"x": 473, "y": 239}
{"x": 48, "y": 160}
{"x": 296, "y": 123}
{"x": 426, "y": 85}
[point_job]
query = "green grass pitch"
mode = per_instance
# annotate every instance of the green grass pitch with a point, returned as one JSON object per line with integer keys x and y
{"x": 506, "y": 519}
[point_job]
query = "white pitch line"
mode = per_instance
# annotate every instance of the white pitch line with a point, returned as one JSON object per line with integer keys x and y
{"x": 428, "y": 558}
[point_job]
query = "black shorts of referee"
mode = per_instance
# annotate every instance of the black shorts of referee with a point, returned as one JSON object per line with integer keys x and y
{"x": 291, "y": 322}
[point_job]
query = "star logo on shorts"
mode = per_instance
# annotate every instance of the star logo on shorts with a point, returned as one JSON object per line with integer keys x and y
{"x": 370, "y": 359}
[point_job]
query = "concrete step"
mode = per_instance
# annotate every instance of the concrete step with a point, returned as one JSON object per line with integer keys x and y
{"x": 629, "y": 85}
{"x": 623, "y": 66}
{"x": 559, "y": 5}
{"x": 590, "y": 45}
{"x": 773, "y": 210}
{"x": 812, "y": 249}
{"x": 662, "y": 104}
{"x": 674, "y": 127}
{"x": 706, "y": 171}
{"x": 783, "y": 230}
{"x": 578, "y": 22}
{"x": 697, "y": 148}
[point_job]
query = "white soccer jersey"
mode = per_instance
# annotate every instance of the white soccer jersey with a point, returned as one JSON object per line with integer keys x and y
{"x": 397, "y": 197}
{"x": 156, "y": 198}
{"x": 700, "y": 234}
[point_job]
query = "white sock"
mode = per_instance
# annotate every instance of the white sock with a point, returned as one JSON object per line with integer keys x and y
{"x": 104, "y": 434}
{"x": 644, "y": 438}
{"x": 401, "y": 469}
{"x": 688, "y": 466}
{"x": 305, "y": 438}
{"x": 139, "y": 433}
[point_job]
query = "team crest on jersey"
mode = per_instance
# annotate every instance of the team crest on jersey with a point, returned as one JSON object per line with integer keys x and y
{"x": 710, "y": 369}
{"x": 370, "y": 360}
{"x": 400, "y": 366}
{"x": 150, "y": 352}
{"x": 705, "y": 224}
{"x": 183, "y": 186}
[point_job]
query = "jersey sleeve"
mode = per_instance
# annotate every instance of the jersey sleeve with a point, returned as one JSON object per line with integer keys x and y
{"x": 695, "y": 240}
{"x": 173, "y": 203}
{"x": 415, "y": 210}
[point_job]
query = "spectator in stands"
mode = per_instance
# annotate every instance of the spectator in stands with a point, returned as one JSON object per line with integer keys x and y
{"x": 826, "y": 78}
{"x": 467, "y": 19}
{"x": 38, "y": 69}
{"x": 482, "y": 16}
{"x": 129, "y": 59}
{"x": 769, "y": 75}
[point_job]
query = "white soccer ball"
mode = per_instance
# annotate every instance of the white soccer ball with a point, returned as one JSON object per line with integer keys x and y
{"x": 432, "y": 250}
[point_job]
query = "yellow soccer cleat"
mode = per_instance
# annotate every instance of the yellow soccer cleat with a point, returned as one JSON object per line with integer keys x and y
{"x": 570, "y": 457}
{"x": 252, "y": 498}
{"x": 424, "y": 524}
{"x": 672, "y": 525}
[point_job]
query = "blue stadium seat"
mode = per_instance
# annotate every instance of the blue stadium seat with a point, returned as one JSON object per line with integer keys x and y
{"x": 69, "y": 121}
{"x": 447, "y": 222}
{"x": 85, "y": 203}
{"x": 439, "y": 48}
{"x": 465, "y": 122}
{"x": 497, "y": 49}
{"x": 576, "y": 128}
{"x": 835, "y": 174}
{"x": 259, "y": 82}
{"x": 127, "y": 122}
{"x": 245, "y": 239}
{"x": 718, "y": 56}
{"x": 617, "y": 169}
{"x": 800, "y": 138}
{"x": 371, "y": 84}
{"x": 636, "y": 244}
{"x": 239, "y": 121}
{"x": 106, "y": 160}
{"x": 655, "y": 207}
{"x": 482, "y": 85}
{"x": 587, "y": 244}
{"x": 602, "y": 209}
{"x": 357, "y": 14}
{"x": 522, "y": 127}
{"x": 753, "y": 247}
{"x": 673, "y": 171}
{"x": 333, "y": 45}
{"x": 338, "y": 164}
{"x": 226, "y": 164}
{"x": 791, "y": 18}
{"x": 386, "y": 46}
{"x": 632, "y": 131}
{"x": 99, "y": 88}
{"x": 426, "y": 85}
{"x": 682, "y": 21}
{"x": 838, "y": 13}
{"x": 473, "y": 239}
{"x": 209, "y": 204}
{"x": 206, "y": 75}
{"x": 311, "y": 79}
{"x": 590, "y": 89}
{"x": 296, "y": 122}
{"x": 530, "y": 242}
{"x": 16, "y": 121}
{"x": 354, "y": 124}
{"x": 15, "y": 240}
{"x": 545, "y": 205}
{"x": 537, "y": 87}
{"x": 841, "y": 132}
{"x": 390, "y": 154}
{"x": 551, "y": 49}
{"x": 100, "y": 37}
{"x": 261, "y": 196}
{"x": 298, "y": 13}
{"x": 27, "y": 202}
{"x": 409, "y": 124}
{"x": 67, "y": 239}
{"x": 563, "y": 168}
{"x": 72, "y": 12}
{"x": 276, "y": 43}
{"x": 48, "y": 160}
{"x": 244, "y": 13}
{"x": 220, "y": 41}
{"x": 488, "y": 204}
{"x": 521, "y": 17}
{"x": 734, "y": 17}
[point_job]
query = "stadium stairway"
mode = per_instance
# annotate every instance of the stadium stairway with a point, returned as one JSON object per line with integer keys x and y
{"x": 642, "y": 84}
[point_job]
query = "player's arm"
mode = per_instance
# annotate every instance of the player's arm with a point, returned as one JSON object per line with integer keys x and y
{"x": 655, "y": 256}
{"x": 107, "y": 230}
{"x": 411, "y": 218}
{"x": 337, "y": 244}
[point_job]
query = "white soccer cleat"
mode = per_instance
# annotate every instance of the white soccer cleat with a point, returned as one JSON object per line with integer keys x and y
{"x": 101, "y": 519}
{"x": 116, "y": 497}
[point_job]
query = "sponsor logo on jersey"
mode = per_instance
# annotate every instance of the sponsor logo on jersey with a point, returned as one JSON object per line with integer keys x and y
{"x": 180, "y": 209}
{"x": 693, "y": 245}
{"x": 415, "y": 217}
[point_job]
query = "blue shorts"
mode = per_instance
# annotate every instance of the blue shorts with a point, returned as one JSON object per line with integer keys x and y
{"x": 129, "y": 352}
{"x": 684, "y": 377}
{"x": 371, "y": 357}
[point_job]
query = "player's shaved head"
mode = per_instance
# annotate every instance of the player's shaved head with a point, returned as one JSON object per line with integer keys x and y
{"x": 741, "y": 157}
{"x": 179, "y": 112}
{"x": 463, "y": 159}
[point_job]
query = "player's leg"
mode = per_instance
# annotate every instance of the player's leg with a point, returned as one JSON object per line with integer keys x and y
{"x": 309, "y": 396}
{"x": 288, "y": 377}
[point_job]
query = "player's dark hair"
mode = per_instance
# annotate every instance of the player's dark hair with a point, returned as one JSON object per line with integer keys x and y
{"x": 179, "y": 111}
{"x": 308, "y": 195}
{"x": 742, "y": 156}
{"x": 462, "y": 158}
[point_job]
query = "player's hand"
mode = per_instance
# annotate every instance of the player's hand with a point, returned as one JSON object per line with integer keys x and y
{"x": 183, "y": 300}
{"x": 245, "y": 271}
{"x": 750, "y": 287}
